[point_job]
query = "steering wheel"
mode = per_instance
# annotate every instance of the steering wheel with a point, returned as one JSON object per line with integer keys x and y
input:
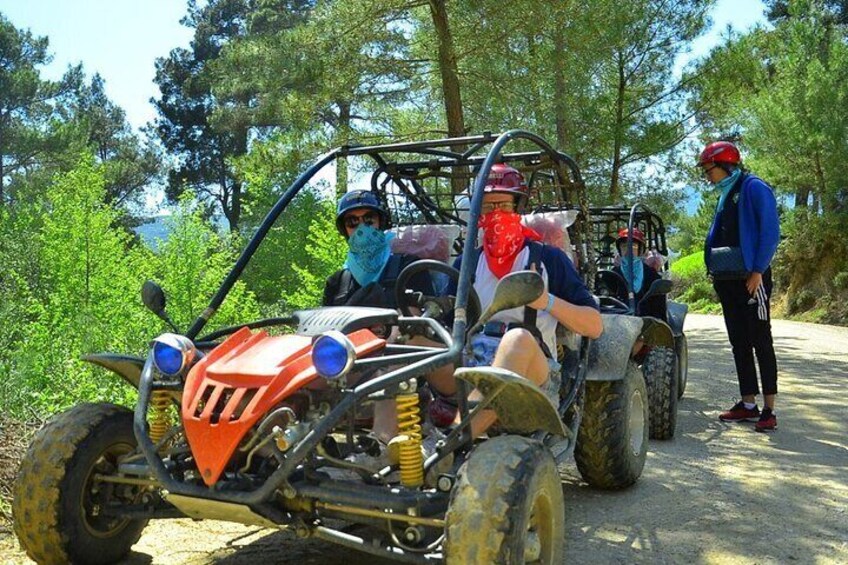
{"x": 608, "y": 283}
{"x": 440, "y": 308}
{"x": 612, "y": 303}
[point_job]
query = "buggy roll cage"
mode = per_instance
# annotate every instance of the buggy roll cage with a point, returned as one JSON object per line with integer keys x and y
{"x": 639, "y": 216}
{"x": 443, "y": 156}
{"x": 414, "y": 360}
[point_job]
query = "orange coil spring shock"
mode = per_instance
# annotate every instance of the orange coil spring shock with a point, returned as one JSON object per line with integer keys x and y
{"x": 160, "y": 420}
{"x": 409, "y": 425}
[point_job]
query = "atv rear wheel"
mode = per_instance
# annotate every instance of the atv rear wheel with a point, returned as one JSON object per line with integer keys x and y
{"x": 681, "y": 363}
{"x": 661, "y": 380}
{"x": 57, "y": 505}
{"x": 507, "y": 506}
{"x": 612, "y": 442}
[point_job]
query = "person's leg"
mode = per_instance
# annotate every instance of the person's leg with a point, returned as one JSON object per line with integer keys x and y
{"x": 520, "y": 353}
{"x": 734, "y": 298}
{"x": 761, "y": 337}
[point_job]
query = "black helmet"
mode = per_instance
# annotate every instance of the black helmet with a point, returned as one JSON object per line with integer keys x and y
{"x": 359, "y": 199}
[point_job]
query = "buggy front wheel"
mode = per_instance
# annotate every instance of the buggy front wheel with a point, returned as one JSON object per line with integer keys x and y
{"x": 507, "y": 506}
{"x": 58, "y": 503}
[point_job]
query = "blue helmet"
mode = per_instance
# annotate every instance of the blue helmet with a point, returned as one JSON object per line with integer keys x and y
{"x": 359, "y": 199}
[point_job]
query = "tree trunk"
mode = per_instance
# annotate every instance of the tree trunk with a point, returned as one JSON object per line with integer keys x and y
{"x": 343, "y": 131}
{"x": 559, "y": 90}
{"x": 450, "y": 80}
{"x": 802, "y": 196}
{"x": 615, "y": 190}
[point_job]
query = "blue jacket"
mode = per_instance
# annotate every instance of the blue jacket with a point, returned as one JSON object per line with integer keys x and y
{"x": 759, "y": 227}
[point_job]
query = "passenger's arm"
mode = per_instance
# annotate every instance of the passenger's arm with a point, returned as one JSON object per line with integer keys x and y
{"x": 585, "y": 320}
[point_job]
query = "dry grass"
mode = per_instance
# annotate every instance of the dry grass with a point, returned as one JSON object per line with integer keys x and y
{"x": 14, "y": 439}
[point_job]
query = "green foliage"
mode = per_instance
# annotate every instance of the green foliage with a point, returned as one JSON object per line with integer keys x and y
{"x": 691, "y": 285}
{"x": 27, "y": 129}
{"x": 85, "y": 299}
{"x": 74, "y": 287}
{"x": 325, "y": 254}
{"x": 192, "y": 264}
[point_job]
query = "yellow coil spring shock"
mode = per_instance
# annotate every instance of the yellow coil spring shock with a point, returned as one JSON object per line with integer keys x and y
{"x": 409, "y": 426}
{"x": 160, "y": 420}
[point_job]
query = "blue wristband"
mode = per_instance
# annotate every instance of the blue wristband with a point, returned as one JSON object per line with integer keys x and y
{"x": 550, "y": 305}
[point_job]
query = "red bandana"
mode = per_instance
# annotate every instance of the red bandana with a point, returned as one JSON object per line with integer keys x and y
{"x": 503, "y": 240}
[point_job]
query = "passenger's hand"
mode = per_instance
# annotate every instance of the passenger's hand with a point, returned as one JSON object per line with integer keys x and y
{"x": 753, "y": 283}
{"x": 540, "y": 303}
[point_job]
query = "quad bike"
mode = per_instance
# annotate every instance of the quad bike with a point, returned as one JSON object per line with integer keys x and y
{"x": 663, "y": 352}
{"x": 269, "y": 428}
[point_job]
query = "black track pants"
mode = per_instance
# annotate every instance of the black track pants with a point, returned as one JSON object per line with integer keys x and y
{"x": 749, "y": 333}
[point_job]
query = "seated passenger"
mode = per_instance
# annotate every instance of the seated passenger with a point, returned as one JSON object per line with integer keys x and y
{"x": 643, "y": 276}
{"x": 523, "y": 340}
{"x": 371, "y": 270}
{"x": 368, "y": 278}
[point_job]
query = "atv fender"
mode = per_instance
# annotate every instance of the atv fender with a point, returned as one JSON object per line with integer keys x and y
{"x": 521, "y": 406}
{"x": 610, "y": 353}
{"x": 657, "y": 333}
{"x": 127, "y": 366}
{"x": 677, "y": 316}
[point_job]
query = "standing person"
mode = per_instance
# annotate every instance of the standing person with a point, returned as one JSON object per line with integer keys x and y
{"x": 745, "y": 220}
{"x": 523, "y": 340}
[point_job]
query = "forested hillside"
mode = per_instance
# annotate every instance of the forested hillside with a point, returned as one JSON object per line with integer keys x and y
{"x": 268, "y": 85}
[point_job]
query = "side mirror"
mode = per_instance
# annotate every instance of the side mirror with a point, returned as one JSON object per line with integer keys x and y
{"x": 153, "y": 298}
{"x": 516, "y": 289}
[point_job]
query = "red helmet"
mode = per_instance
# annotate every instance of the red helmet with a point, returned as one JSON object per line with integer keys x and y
{"x": 503, "y": 178}
{"x": 720, "y": 152}
{"x": 637, "y": 236}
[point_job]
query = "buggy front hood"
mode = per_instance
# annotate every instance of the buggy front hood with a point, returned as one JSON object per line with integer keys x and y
{"x": 241, "y": 381}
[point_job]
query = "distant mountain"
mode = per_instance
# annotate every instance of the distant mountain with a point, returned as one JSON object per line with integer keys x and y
{"x": 153, "y": 231}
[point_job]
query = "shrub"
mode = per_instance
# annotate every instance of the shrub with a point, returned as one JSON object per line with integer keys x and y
{"x": 692, "y": 286}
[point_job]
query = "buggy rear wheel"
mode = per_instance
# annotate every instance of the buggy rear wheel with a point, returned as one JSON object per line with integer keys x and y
{"x": 612, "y": 442}
{"x": 661, "y": 380}
{"x": 58, "y": 502}
{"x": 507, "y": 506}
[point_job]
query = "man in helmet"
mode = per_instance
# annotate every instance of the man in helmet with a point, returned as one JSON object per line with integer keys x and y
{"x": 523, "y": 340}
{"x": 643, "y": 275}
{"x": 371, "y": 270}
{"x": 745, "y": 224}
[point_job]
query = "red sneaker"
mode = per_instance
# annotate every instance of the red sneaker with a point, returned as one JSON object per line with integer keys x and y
{"x": 740, "y": 414}
{"x": 767, "y": 421}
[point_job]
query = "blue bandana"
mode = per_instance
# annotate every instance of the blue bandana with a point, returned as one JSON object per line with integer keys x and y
{"x": 635, "y": 285}
{"x": 724, "y": 186}
{"x": 368, "y": 254}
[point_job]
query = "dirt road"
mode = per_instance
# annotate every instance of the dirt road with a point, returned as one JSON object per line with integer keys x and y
{"x": 716, "y": 494}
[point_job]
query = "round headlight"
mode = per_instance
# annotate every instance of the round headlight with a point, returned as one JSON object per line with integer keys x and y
{"x": 172, "y": 353}
{"x": 332, "y": 355}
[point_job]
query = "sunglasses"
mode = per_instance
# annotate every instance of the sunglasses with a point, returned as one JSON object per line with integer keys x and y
{"x": 707, "y": 170}
{"x": 506, "y": 206}
{"x": 369, "y": 218}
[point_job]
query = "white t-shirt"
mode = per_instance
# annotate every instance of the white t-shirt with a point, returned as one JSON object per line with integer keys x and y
{"x": 485, "y": 282}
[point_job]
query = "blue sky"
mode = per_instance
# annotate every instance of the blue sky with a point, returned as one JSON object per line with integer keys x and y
{"x": 120, "y": 39}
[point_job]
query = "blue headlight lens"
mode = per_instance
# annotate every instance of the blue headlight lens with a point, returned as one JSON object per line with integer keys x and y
{"x": 331, "y": 355}
{"x": 168, "y": 359}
